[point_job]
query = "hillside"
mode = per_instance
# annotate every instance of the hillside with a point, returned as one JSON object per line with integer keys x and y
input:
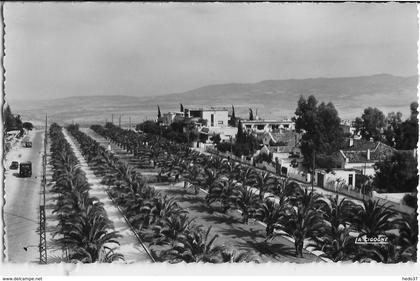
{"x": 272, "y": 98}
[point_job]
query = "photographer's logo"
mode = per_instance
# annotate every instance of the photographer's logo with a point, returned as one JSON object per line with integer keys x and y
{"x": 374, "y": 240}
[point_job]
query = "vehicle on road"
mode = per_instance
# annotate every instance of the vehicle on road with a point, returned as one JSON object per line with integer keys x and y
{"x": 14, "y": 165}
{"x": 25, "y": 169}
{"x": 28, "y": 144}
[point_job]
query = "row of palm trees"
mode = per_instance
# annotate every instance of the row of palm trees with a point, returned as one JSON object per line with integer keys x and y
{"x": 172, "y": 236}
{"x": 84, "y": 231}
{"x": 328, "y": 224}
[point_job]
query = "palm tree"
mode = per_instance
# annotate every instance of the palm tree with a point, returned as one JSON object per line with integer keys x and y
{"x": 83, "y": 225}
{"x": 373, "y": 219}
{"x": 195, "y": 246}
{"x": 294, "y": 192}
{"x": 233, "y": 256}
{"x": 89, "y": 237}
{"x": 231, "y": 169}
{"x": 338, "y": 246}
{"x": 172, "y": 228}
{"x": 108, "y": 255}
{"x": 408, "y": 237}
{"x": 217, "y": 163}
{"x": 157, "y": 209}
{"x": 209, "y": 178}
{"x": 280, "y": 185}
{"x": 338, "y": 213}
{"x": 304, "y": 220}
{"x": 263, "y": 182}
{"x": 221, "y": 191}
{"x": 193, "y": 177}
{"x": 336, "y": 243}
{"x": 246, "y": 200}
{"x": 270, "y": 213}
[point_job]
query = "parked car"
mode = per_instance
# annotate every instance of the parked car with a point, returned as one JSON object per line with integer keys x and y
{"x": 28, "y": 144}
{"x": 14, "y": 165}
{"x": 25, "y": 169}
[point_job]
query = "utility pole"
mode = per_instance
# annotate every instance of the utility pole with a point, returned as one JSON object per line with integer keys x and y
{"x": 313, "y": 169}
{"x": 129, "y": 121}
{"x": 42, "y": 232}
{"x": 119, "y": 121}
{"x": 112, "y": 118}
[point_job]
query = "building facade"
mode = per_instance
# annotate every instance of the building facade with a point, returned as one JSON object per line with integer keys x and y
{"x": 362, "y": 155}
{"x": 259, "y": 126}
{"x": 337, "y": 178}
{"x": 170, "y": 117}
{"x": 212, "y": 116}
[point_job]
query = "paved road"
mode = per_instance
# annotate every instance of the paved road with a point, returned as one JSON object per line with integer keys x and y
{"x": 22, "y": 198}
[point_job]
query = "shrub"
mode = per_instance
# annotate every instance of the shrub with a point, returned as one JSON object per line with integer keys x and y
{"x": 410, "y": 200}
{"x": 264, "y": 157}
{"x": 148, "y": 126}
{"x": 28, "y": 126}
{"x": 327, "y": 162}
{"x": 224, "y": 146}
{"x": 240, "y": 149}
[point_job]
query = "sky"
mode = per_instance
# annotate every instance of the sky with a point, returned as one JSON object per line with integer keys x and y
{"x": 58, "y": 50}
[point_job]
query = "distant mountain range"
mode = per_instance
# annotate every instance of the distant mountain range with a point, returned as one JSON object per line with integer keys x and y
{"x": 272, "y": 98}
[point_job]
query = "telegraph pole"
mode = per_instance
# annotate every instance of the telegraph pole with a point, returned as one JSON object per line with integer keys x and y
{"x": 129, "y": 121}
{"x": 112, "y": 118}
{"x": 44, "y": 166}
{"x": 313, "y": 169}
{"x": 42, "y": 232}
{"x": 119, "y": 121}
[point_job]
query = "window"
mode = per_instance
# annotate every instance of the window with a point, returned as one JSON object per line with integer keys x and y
{"x": 351, "y": 180}
{"x": 220, "y": 122}
{"x": 212, "y": 120}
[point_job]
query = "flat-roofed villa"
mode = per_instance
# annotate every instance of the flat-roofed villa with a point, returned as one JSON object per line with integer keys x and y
{"x": 214, "y": 116}
{"x": 262, "y": 125}
{"x": 170, "y": 117}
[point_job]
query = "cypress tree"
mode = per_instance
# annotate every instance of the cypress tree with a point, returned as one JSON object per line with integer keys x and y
{"x": 251, "y": 114}
{"x": 159, "y": 114}
{"x": 233, "y": 112}
{"x": 233, "y": 117}
{"x": 240, "y": 136}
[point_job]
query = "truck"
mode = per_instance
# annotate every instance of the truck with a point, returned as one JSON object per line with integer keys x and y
{"x": 14, "y": 165}
{"x": 25, "y": 169}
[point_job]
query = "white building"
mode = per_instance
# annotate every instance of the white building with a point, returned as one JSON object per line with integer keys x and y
{"x": 213, "y": 116}
{"x": 337, "y": 178}
{"x": 362, "y": 155}
{"x": 170, "y": 117}
{"x": 259, "y": 126}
